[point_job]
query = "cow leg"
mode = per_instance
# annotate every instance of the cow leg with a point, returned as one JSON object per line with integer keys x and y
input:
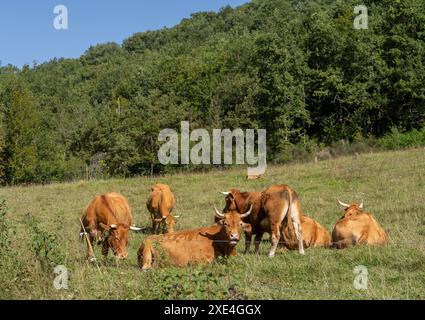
{"x": 153, "y": 226}
{"x": 164, "y": 227}
{"x": 298, "y": 233}
{"x": 156, "y": 227}
{"x": 248, "y": 239}
{"x": 295, "y": 212}
{"x": 257, "y": 242}
{"x": 275, "y": 237}
{"x": 105, "y": 248}
{"x": 275, "y": 226}
{"x": 97, "y": 235}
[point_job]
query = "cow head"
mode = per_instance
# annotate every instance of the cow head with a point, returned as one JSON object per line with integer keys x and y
{"x": 233, "y": 225}
{"x": 116, "y": 236}
{"x": 351, "y": 209}
{"x": 169, "y": 220}
{"x": 234, "y": 200}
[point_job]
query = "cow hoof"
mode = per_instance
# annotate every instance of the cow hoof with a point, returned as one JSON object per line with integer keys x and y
{"x": 92, "y": 259}
{"x": 271, "y": 255}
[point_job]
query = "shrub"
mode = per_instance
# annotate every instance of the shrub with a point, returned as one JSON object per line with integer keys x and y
{"x": 400, "y": 140}
{"x": 44, "y": 245}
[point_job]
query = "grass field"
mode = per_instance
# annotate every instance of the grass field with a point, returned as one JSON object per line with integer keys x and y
{"x": 392, "y": 185}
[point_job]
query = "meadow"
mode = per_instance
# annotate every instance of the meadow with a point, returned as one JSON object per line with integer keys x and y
{"x": 40, "y": 229}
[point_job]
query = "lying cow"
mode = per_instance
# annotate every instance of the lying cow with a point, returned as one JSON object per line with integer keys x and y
{"x": 107, "y": 219}
{"x": 200, "y": 245}
{"x": 270, "y": 208}
{"x": 314, "y": 235}
{"x": 160, "y": 204}
{"x": 357, "y": 227}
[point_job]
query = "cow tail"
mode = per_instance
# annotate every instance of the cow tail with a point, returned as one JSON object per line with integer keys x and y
{"x": 163, "y": 206}
{"x": 290, "y": 236}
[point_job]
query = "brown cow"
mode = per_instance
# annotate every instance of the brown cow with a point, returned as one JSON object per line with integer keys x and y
{"x": 314, "y": 235}
{"x": 270, "y": 208}
{"x": 357, "y": 227}
{"x": 107, "y": 218}
{"x": 200, "y": 245}
{"x": 160, "y": 204}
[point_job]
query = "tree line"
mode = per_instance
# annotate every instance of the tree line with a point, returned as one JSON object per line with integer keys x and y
{"x": 297, "y": 68}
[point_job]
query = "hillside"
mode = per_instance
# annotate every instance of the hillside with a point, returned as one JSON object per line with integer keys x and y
{"x": 297, "y": 68}
{"x": 392, "y": 185}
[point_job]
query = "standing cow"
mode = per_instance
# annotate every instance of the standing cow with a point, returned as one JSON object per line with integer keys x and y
{"x": 201, "y": 245}
{"x": 270, "y": 208}
{"x": 314, "y": 235}
{"x": 107, "y": 219}
{"x": 357, "y": 227}
{"x": 160, "y": 204}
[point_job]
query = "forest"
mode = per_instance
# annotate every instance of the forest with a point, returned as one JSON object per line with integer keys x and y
{"x": 297, "y": 68}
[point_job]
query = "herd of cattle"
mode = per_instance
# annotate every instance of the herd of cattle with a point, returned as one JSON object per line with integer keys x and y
{"x": 107, "y": 220}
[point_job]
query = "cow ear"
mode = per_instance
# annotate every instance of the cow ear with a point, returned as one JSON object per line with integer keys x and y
{"x": 247, "y": 227}
{"x": 220, "y": 222}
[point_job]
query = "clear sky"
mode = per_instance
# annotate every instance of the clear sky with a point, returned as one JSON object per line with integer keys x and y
{"x": 27, "y": 33}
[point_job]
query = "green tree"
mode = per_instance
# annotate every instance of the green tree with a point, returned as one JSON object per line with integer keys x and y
{"x": 21, "y": 126}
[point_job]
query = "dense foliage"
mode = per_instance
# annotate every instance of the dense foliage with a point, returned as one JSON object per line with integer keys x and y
{"x": 297, "y": 68}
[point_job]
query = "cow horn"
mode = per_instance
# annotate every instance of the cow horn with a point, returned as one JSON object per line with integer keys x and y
{"x": 133, "y": 228}
{"x": 218, "y": 213}
{"x": 361, "y": 205}
{"x": 246, "y": 214}
{"x": 225, "y": 193}
{"x": 178, "y": 216}
{"x": 342, "y": 203}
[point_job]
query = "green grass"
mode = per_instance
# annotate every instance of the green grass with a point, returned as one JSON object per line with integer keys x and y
{"x": 392, "y": 185}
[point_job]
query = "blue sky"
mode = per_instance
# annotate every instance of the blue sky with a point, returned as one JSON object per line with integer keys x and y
{"x": 27, "y": 33}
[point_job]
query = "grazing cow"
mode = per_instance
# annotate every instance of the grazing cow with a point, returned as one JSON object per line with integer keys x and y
{"x": 107, "y": 219}
{"x": 270, "y": 208}
{"x": 160, "y": 204}
{"x": 314, "y": 235}
{"x": 200, "y": 245}
{"x": 357, "y": 227}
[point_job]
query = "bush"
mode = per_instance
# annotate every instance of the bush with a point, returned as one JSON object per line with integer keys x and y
{"x": 400, "y": 140}
{"x": 44, "y": 245}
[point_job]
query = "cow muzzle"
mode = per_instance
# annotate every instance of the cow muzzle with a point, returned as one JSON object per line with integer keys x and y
{"x": 234, "y": 238}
